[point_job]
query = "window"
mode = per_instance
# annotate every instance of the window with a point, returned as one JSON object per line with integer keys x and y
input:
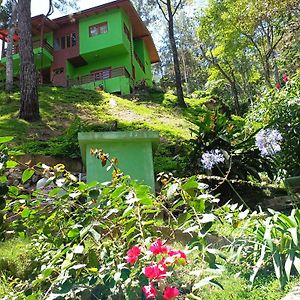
{"x": 73, "y": 39}
{"x": 68, "y": 41}
{"x": 56, "y": 45}
{"x": 98, "y": 29}
{"x": 63, "y": 42}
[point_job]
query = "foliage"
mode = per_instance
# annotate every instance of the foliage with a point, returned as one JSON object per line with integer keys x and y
{"x": 81, "y": 232}
{"x": 217, "y": 131}
{"x": 280, "y": 109}
{"x": 272, "y": 242}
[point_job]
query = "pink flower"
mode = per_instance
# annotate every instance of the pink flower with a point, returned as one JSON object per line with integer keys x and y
{"x": 133, "y": 254}
{"x": 178, "y": 256}
{"x": 158, "y": 247}
{"x": 149, "y": 291}
{"x": 156, "y": 271}
{"x": 285, "y": 78}
{"x": 278, "y": 86}
{"x": 171, "y": 293}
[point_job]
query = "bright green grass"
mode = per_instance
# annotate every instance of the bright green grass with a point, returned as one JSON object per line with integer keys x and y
{"x": 15, "y": 258}
{"x": 60, "y": 106}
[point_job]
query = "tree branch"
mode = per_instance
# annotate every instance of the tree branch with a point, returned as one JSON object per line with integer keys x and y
{"x": 51, "y": 9}
{"x": 176, "y": 8}
{"x": 160, "y": 7}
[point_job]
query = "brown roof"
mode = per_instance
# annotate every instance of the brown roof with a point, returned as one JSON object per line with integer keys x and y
{"x": 139, "y": 28}
{"x": 37, "y": 22}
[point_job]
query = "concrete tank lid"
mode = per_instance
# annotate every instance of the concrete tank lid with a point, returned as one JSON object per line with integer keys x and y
{"x": 92, "y": 137}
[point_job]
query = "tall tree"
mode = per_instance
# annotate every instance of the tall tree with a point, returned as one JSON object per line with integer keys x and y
{"x": 265, "y": 23}
{"x": 10, "y": 44}
{"x": 29, "y": 109}
{"x": 169, "y": 10}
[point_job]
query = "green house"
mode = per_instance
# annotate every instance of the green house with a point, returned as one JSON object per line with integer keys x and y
{"x": 105, "y": 47}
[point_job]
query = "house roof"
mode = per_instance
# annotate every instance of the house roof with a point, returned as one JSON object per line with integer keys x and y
{"x": 37, "y": 21}
{"x": 139, "y": 28}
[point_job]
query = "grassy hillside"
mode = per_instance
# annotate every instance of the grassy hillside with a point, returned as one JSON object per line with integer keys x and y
{"x": 65, "y": 112}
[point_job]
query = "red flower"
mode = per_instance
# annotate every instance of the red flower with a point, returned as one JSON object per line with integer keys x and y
{"x": 171, "y": 293}
{"x": 156, "y": 271}
{"x": 179, "y": 256}
{"x": 149, "y": 291}
{"x": 158, "y": 247}
{"x": 285, "y": 78}
{"x": 133, "y": 254}
{"x": 278, "y": 86}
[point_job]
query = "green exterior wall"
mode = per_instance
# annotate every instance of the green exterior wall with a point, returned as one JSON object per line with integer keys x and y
{"x": 103, "y": 45}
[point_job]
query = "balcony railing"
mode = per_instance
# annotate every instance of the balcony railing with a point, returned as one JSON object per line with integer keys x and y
{"x": 100, "y": 75}
{"x": 35, "y": 44}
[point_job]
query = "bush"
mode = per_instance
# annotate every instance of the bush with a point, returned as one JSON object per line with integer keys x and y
{"x": 281, "y": 109}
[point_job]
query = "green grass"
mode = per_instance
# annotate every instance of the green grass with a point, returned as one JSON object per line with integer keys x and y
{"x": 16, "y": 258}
{"x": 66, "y": 111}
{"x": 60, "y": 106}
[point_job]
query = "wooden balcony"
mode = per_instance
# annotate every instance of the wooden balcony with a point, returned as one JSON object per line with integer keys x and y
{"x": 35, "y": 44}
{"x": 100, "y": 75}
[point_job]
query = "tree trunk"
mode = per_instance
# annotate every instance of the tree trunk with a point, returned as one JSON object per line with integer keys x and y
{"x": 185, "y": 74}
{"x": 235, "y": 94}
{"x": 29, "y": 109}
{"x": 9, "y": 50}
{"x": 180, "y": 97}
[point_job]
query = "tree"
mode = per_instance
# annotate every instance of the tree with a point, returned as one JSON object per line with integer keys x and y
{"x": 169, "y": 10}
{"x": 10, "y": 44}
{"x": 222, "y": 47}
{"x": 265, "y": 23}
{"x": 29, "y": 109}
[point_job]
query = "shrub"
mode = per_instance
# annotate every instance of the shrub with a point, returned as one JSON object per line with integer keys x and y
{"x": 281, "y": 109}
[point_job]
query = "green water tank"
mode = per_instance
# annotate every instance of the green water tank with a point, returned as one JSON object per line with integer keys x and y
{"x": 133, "y": 149}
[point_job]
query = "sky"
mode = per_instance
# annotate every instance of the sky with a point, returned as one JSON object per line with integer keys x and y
{"x": 41, "y": 6}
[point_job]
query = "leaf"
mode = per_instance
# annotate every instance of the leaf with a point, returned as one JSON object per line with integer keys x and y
{"x": 78, "y": 266}
{"x": 11, "y": 164}
{"x": 206, "y": 281}
{"x": 6, "y": 139}
{"x": 258, "y": 264}
{"x": 26, "y": 212}
{"x": 73, "y": 233}
{"x": 297, "y": 263}
{"x": 78, "y": 249}
{"x": 27, "y": 174}
{"x": 288, "y": 263}
{"x": 294, "y": 233}
{"x": 13, "y": 191}
{"x": 207, "y": 218}
{"x": 95, "y": 234}
{"x": 146, "y": 201}
{"x": 172, "y": 190}
{"x": 243, "y": 214}
{"x": 94, "y": 194}
{"x": 190, "y": 184}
